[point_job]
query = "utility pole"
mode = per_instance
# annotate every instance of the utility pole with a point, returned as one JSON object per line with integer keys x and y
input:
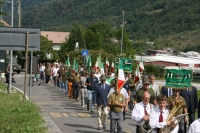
{"x": 122, "y": 31}
{"x": 19, "y": 12}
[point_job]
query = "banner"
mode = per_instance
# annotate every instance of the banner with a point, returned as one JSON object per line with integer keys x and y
{"x": 178, "y": 78}
{"x": 127, "y": 65}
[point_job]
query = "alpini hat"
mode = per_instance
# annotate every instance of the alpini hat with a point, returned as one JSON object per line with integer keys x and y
{"x": 146, "y": 81}
{"x": 103, "y": 77}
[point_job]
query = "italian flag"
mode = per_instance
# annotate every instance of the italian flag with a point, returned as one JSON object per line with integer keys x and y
{"x": 121, "y": 78}
{"x": 137, "y": 74}
{"x": 107, "y": 63}
{"x": 141, "y": 65}
{"x": 89, "y": 62}
{"x": 67, "y": 62}
{"x": 102, "y": 69}
{"x": 96, "y": 66}
{"x": 112, "y": 67}
{"x": 108, "y": 80}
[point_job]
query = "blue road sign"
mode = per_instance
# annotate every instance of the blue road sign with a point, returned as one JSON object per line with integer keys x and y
{"x": 84, "y": 53}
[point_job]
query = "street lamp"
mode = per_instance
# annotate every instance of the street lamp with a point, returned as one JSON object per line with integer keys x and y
{"x": 123, "y": 22}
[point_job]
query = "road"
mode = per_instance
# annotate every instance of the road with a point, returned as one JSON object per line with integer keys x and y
{"x": 69, "y": 116}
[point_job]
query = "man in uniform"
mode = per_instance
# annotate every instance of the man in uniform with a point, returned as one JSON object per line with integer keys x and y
{"x": 132, "y": 89}
{"x": 170, "y": 100}
{"x": 116, "y": 102}
{"x": 154, "y": 86}
{"x": 144, "y": 88}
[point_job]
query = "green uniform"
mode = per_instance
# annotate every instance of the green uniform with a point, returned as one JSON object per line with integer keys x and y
{"x": 170, "y": 101}
{"x": 64, "y": 78}
{"x": 140, "y": 92}
{"x": 119, "y": 98}
{"x": 47, "y": 71}
{"x": 76, "y": 78}
{"x": 131, "y": 81}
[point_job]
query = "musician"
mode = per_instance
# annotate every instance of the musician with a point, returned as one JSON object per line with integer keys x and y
{"x": 194, "y": 127}
{"x": 159, "y": 114}
{"x": 141, "y": 110}
{"x": 170, "y": 100}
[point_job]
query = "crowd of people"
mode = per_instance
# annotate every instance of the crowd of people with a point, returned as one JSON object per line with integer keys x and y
{"x": 147, "y": 101}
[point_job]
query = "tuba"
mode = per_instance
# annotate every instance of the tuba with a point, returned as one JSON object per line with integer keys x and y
{"x": 144, "y": 126}
{"x": 177, "y": 105}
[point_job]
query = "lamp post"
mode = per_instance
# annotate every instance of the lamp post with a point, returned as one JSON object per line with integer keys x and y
{"x": 123, "y": 22}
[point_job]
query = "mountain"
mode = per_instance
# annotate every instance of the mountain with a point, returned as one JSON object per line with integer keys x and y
{"x": 145, "y": 19}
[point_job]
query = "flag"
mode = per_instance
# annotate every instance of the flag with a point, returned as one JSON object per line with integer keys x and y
{"x": 121, "y": 78}
{"x": 96, "y": 66}
{"x": 107, "y": 63}
{"x": 137, "y": 74}
{"x": 99, "y": 62}
{"x": 141, "y": 65}
{"x": 89, "y": 63}
{"x": 77, "y": 46}
{"x": 102, "y": 69}
{"x": 108, "y": 80}
{"x": 112, "y": 67}
{"x": 76, "y": 67}
{"x": 67, "y": 62}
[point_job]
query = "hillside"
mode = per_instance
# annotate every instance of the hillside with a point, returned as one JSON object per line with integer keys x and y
{"x": 146, "y": 19}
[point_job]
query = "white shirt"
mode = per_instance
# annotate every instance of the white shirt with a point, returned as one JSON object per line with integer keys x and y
{"x": 154, "y": 120}
{"x": 138, "y": 112}
{"x": 98, "y": 75}
{"x": 123, "y": 91}
{"x": 194, "y": 127}
{"x": 155, "y": 88}
{"x": 55, "y": 70}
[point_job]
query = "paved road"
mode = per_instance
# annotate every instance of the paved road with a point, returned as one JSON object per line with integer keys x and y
{"x": 69, "y": 116}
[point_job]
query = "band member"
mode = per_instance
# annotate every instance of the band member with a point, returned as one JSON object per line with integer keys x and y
{"x": 141, "y": 111}
{"x": 159, "y": 114}
{"x": 194, "y": 127}
{"x": 100, "y": 100}
{"x": 116, "y": 102}
{"x": 170, "y": 100}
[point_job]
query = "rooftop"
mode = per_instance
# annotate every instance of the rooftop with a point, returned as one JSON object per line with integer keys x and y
{"x": 56, "y": 37}
{"x": 167, "y": 58}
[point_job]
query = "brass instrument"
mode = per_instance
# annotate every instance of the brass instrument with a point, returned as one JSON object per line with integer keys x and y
{"x": 177, "y": 105}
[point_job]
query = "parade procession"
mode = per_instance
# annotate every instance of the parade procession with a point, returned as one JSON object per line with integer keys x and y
{"x": 114, "y": 91}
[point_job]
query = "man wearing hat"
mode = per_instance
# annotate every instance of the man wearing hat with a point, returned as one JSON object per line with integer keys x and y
{"x": 170, "y": 100}
{"x": 91, "y": 82}
{"x": 100, "y": 100}
{"x": 144, "y": 88}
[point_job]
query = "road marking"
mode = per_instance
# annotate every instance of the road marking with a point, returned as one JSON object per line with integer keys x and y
{"x": 74, "y": 115}
{"x": 127, "y": 132}
{"x": 84, "y": 114}
{"x": 65, "y": 114}
{"x": 108, "y": 120}
{"x": 55, "y": 114}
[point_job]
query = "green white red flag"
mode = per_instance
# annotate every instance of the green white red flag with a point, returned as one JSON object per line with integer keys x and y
{"x": 107, "y": 63}
{"x": 141, "y": 65}
{"x": 112, "y": 68}
{"x": 67, "y": 62}
{"x": 137, "y": 74}
{"x": 121, "y": 78}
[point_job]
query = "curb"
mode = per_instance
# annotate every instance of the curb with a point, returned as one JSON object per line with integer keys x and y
{"x": 49, "y": 124}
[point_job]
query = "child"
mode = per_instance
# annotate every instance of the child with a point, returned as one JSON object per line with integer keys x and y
{"x": 159, "y": 115}
{"x": 2, "y": 76}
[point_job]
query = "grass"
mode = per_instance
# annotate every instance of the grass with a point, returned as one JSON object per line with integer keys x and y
{"x": 19, "y": 117}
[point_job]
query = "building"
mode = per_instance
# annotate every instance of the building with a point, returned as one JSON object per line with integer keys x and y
{"x": 168, "y": 60}
{"x": 56, "y": 37}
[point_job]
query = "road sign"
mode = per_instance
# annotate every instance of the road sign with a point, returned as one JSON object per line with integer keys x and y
{"x": 84, "y": 53}
{"x": 15, "y": 38}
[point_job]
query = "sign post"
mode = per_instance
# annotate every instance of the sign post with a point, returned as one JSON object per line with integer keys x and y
{"x": 84, "y": 54}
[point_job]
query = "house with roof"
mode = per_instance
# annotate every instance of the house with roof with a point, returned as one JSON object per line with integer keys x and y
{"x": 56, "y": 37}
